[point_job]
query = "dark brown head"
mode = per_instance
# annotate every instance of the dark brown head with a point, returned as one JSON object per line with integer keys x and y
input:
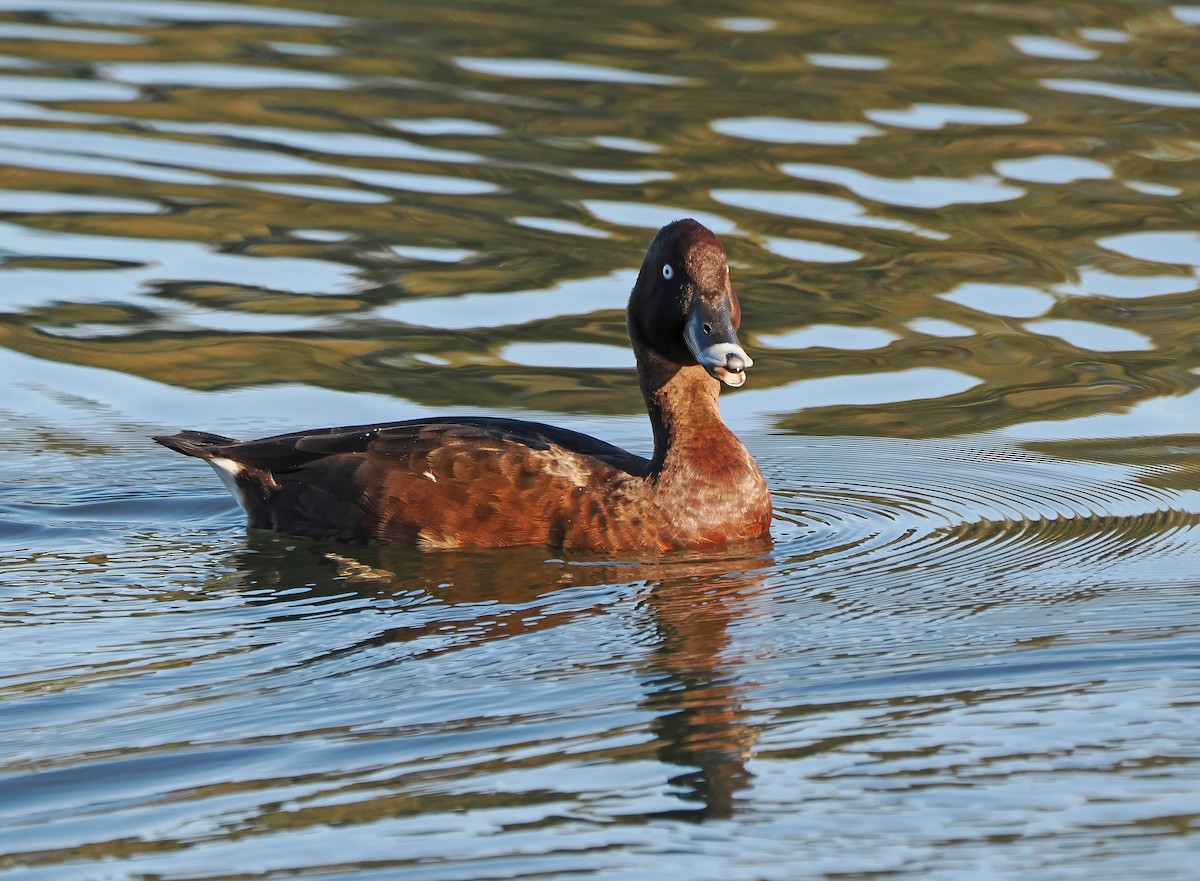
{"x": 683, "y": 307}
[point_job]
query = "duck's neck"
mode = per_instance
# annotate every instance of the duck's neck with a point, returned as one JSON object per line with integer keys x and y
{"x": 682, "y": 402}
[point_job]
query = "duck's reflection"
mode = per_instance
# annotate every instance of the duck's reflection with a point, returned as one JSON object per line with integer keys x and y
{"x": 460, "y": 600}
{"x": 695, "y": 692}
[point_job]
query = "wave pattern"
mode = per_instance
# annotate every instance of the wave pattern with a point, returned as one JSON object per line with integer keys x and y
{"x": 218, "y": 195}
{"x": 938, "y": 620}
{"x": 965, "y": 241}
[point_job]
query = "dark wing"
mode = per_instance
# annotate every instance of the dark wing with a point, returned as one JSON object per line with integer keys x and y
{"x": 398, "y": 440}
{"x": 472, "y": 481}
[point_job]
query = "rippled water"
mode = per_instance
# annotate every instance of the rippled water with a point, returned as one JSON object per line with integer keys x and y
{"x": 966, "y": 242}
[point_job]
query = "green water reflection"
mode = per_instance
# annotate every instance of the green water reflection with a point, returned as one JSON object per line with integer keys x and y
{"x": 437, "y": 159}
{"x": 966, "y": 243}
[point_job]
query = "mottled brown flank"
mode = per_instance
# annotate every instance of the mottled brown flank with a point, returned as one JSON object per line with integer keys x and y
{"x": 484, "y": 482}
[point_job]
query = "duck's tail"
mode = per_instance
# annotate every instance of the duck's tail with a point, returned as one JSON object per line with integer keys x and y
{"x": 252, "y": 487}
{"x": 194, "y": 443}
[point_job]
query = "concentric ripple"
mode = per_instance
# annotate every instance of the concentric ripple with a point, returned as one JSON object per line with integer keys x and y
{"x": 854, "y": 508}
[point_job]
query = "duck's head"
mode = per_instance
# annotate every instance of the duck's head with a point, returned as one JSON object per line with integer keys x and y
{"x": 683, "y": 307}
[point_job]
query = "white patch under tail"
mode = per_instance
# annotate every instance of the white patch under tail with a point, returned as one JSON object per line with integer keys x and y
{"x": 228, "y": 470}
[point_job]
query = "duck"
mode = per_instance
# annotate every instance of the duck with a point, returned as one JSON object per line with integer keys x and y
{"x": 484, "y": 481}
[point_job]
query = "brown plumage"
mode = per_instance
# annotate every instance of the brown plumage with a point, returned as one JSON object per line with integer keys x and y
{"x": 487, "y": 482}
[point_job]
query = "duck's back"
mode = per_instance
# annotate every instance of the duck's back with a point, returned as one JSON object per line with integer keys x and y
{"x": 469, "y": 482}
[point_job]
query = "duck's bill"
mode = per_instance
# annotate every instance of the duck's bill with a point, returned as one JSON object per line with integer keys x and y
{"x": 711, "y": 340}
{"x": 729, "y": 377}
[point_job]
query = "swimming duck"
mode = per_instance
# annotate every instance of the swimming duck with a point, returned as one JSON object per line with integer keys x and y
{"x": 490, "y": 482}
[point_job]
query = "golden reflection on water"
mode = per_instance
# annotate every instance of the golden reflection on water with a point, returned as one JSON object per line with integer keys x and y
{"x": 965, "y": 240}
{"x": 360, "y": 162}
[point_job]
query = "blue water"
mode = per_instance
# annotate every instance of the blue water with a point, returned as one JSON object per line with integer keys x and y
{"x": 966, "y": 249}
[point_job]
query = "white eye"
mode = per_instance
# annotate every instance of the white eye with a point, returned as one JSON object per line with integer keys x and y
{"x": 668, "y": 272}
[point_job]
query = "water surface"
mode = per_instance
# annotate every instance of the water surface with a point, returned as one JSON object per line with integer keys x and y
{"x": 965, "y": 240}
